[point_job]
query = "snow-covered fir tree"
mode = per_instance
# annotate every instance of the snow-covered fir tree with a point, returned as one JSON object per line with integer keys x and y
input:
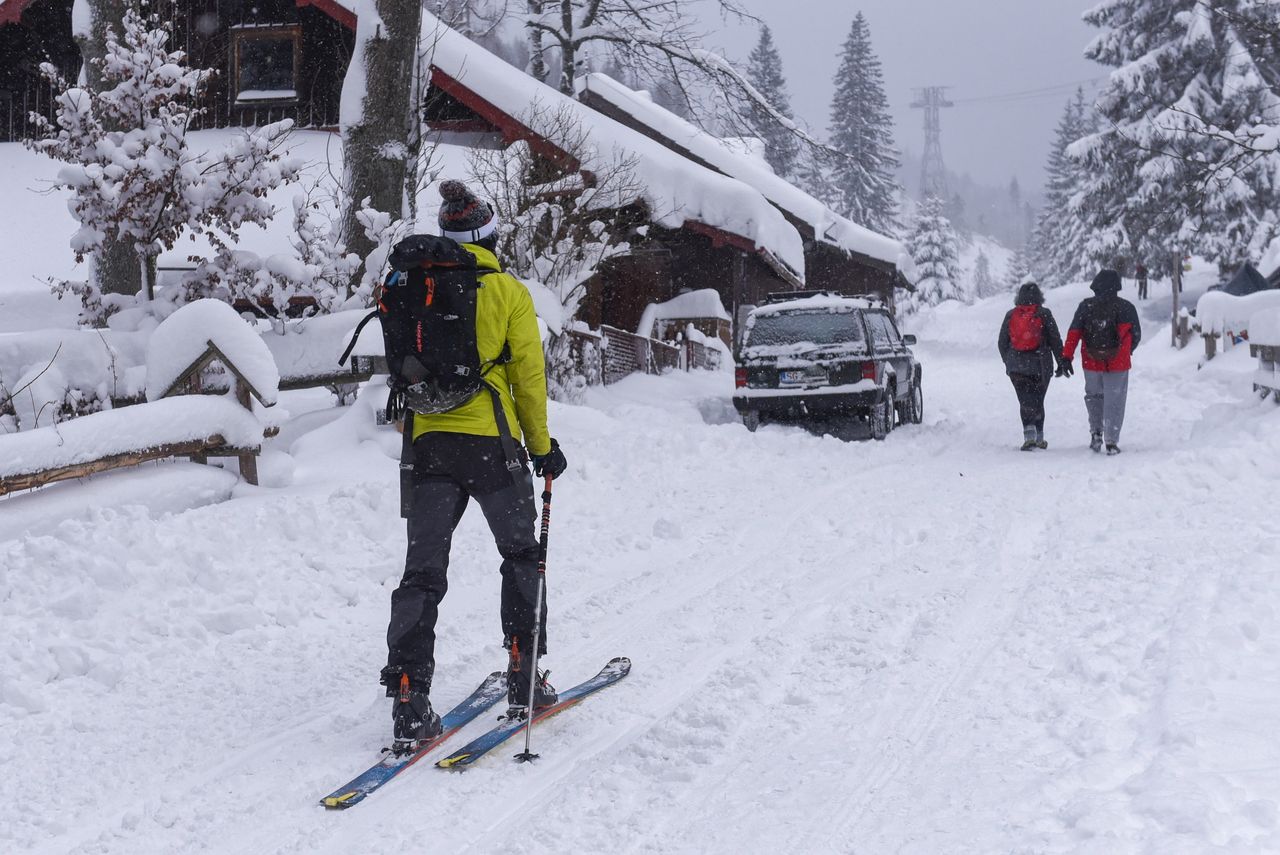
{"x": 1163, "y": 172}
{"x": 933, "y": 248}
{"x": 1018, "y": 272}
{"x": 764, "y": 70}
{"x": 1058, "y": 244}
{"x": 982, "y": 283}
{"x": 862, "y": 131}
{"x": 133, "y": 174}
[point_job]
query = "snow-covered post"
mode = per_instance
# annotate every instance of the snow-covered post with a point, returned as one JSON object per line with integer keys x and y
{"x": 377, "y": 115}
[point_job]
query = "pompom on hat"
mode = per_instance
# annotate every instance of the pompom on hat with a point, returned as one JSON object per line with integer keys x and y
{"x": 463, "y": 217}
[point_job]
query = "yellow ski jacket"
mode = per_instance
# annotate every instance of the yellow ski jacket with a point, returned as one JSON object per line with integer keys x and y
{"x": 504, "y": 316}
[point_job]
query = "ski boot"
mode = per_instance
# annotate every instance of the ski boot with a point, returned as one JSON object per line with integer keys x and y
{"x": 544, "y": 695}
{"x": 1095, "y": 442}
{"x": 412, "y": 717}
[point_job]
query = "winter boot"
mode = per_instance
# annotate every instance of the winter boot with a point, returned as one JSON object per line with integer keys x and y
{"x": 412, "y": 716}
{"x": 1040, "y": 443}
{"x": 544, "y": 695}
{"x": 1112, "y": 449}
{"x": 1030, "y": 445}
{"x": 1095, "y": 442}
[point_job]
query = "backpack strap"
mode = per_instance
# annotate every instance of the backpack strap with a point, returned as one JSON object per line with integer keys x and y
{"x": 509, "y": 451}
{"x": 355, "y": 337}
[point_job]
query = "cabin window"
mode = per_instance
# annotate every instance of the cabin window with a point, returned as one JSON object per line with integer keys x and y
{"x": 265, "y": 63}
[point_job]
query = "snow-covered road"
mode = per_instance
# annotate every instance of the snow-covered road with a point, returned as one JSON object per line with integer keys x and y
{"x": 932, "y": 644}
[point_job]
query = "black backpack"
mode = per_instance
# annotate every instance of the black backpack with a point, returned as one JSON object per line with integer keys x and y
{"x": 427, "y": 308}
{"x": 1101, "y": 331}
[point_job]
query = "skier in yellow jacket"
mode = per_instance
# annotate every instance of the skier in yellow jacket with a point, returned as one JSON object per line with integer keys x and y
{"x": 459, "y": 455}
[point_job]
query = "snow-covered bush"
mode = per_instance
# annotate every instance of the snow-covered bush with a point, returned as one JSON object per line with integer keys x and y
{"x": 132, "y": 171}
{"x": 558, "y": 225}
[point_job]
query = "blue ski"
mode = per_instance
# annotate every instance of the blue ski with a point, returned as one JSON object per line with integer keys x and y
{"x": 492, "y": 690}
{"x": 486, "y": 742}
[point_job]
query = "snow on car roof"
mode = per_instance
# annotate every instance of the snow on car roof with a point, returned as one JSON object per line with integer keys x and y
{"x": 816, "y": 303}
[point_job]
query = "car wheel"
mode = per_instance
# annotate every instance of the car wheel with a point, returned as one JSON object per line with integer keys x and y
{"x": 751, "y": 418}
{"x": 915, "y": 404}
{"x": 882, "y": 418}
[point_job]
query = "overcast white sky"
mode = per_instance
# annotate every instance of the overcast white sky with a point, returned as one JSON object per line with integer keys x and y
{"x": 979, "y": 47}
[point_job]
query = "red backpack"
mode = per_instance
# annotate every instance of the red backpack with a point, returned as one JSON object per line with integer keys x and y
{"x": 1026, "y": 328}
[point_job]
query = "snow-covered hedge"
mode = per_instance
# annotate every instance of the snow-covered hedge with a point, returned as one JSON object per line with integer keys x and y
{"x": 1221, "y": 314}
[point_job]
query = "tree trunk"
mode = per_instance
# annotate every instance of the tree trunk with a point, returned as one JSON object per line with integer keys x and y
{"x": 568, "y": 49}
{"x": 377, "y": 115}
{"x": 537, "y": 62}
{"x": 115, "y": 268}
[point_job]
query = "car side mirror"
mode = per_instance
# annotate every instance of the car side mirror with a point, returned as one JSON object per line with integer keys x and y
{"x": 908, "y": 340}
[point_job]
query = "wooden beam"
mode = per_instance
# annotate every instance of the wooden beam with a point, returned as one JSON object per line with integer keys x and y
{"x": 115, "y": 461}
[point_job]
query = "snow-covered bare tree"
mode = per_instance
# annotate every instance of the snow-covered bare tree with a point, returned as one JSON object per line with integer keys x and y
{"x": 933, "y": 248}
{"x": 862, "y": 131}
{"x": 1058, "y": 243}
{"x": 558, "y": 227}
{"x": 764, "y": 70}
{"x": 1164, "y": 174}
{"x": 379, "y": 117}
{"x": 134, "y": 173}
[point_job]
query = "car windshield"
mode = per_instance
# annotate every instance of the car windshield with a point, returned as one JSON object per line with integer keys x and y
{"x": 821, "y": 327}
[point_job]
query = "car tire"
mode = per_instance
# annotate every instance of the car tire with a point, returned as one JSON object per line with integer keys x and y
{"x": 882, "y": 417}
{"x": 751, "y": 419}
{"x": 915, "y": 405}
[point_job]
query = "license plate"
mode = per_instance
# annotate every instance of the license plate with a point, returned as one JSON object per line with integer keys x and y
{"x": 791, "y": 377}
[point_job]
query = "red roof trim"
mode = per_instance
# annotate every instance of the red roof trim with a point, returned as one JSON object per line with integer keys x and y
{"x": 512, "y": 128}
{"x": 332, "y": 8}
{"x": 11, "y": 11}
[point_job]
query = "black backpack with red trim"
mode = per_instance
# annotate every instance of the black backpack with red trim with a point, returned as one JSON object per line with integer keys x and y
{"x": 427, "y": 308}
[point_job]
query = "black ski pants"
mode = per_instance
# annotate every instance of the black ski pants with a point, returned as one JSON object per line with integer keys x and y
{"x": 449, "y": 470}
{"x": 1031, "y": 391}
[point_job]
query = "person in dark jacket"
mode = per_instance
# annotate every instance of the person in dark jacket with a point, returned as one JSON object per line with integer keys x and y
{"x": 1029, "y": 344}
{"x": 1107, "y": 327}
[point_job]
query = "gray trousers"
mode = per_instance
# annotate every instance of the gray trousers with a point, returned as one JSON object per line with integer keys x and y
{"x": 1105, "y": 394}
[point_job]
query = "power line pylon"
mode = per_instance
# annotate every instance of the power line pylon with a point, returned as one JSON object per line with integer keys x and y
{"x": 933, "y": 173}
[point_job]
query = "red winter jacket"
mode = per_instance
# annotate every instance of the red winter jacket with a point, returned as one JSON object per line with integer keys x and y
{"x": 1127, "y": 328}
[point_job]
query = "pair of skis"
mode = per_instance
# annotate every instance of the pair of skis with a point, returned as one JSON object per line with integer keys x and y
{"x": 486, "y": 695}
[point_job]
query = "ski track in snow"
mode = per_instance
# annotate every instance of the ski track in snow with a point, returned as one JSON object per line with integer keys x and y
{"x": 932, "y": 644}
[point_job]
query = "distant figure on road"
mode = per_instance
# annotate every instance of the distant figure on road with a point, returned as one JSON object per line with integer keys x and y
{"x": 1108, "y": 327}
{"x": 1029, "y": 344}
{"x": 1142, "y": 281}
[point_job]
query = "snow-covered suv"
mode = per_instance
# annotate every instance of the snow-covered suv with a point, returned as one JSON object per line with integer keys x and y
{"x": 804, "y": 359}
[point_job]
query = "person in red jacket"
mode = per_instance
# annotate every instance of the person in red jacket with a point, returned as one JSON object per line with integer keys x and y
{"x": 1029, "y": 344}
{"x": 1107, "y": 327}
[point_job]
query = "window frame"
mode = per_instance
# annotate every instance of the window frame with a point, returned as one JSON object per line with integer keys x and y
{"x": 242, "y": 33}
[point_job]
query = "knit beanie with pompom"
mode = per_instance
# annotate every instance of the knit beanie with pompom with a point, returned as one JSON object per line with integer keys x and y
{"x": 463, "y": 217}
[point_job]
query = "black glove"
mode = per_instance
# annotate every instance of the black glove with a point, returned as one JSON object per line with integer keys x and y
{"x": 1065, "y": 368}
{"x": 552, "y": 463}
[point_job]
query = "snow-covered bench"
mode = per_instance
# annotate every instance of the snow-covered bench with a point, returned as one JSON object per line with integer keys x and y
{"x": 1225, "y": 316}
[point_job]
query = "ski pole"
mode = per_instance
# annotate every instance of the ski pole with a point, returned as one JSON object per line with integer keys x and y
{"x": 527, "y": 754}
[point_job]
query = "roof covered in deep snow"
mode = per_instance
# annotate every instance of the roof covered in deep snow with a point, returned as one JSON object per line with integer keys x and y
{"x": 675, "y": 190}
{"x": 735, "y": 159}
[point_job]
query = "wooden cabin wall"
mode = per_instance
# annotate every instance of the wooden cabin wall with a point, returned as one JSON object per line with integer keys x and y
{"x": 829, "y": 269}
{"x": 44, "y": 35}
{"x": 205, "y": 30}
